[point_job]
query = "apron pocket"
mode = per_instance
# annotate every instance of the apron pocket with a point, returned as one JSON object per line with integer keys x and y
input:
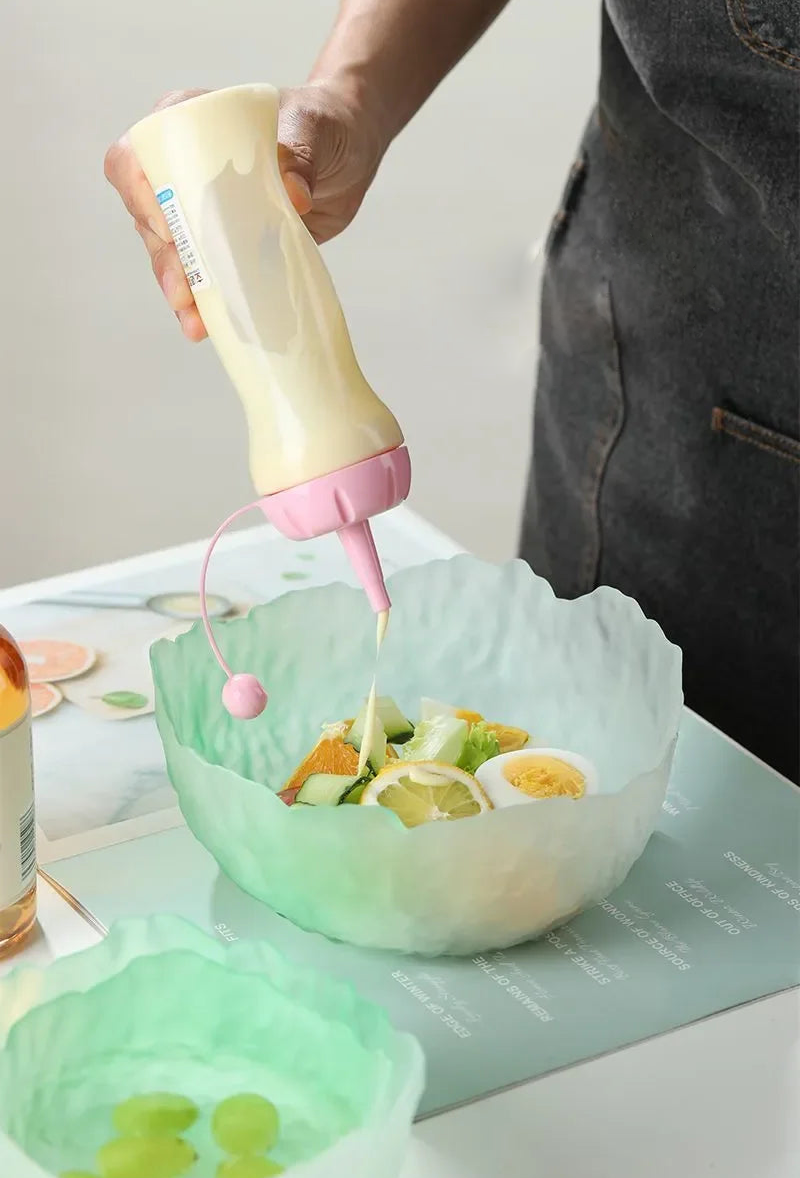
{"x": 569, "y": 200}
{"x": 770, "y": 28}
{"x": 782, "y": 445}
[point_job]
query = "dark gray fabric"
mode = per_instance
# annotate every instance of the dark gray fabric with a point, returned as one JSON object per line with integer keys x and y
{"x": 666, "y": 454}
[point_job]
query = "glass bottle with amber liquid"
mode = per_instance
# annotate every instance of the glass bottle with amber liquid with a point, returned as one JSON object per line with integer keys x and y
{"x": 17, "y": 816}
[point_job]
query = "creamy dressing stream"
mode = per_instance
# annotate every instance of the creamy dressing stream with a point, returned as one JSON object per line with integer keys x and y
{"x": 370, "y": 734}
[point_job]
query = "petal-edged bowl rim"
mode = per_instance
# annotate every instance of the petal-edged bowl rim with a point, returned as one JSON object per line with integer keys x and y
{"x": 401, "y": 1082}
{"x": 517, "y": 567}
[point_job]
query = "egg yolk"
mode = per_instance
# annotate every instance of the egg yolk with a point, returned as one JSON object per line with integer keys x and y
{"x": 545, "y": 777}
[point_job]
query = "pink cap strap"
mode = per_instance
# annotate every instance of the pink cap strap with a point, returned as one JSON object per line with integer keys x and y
{"x": 243, "y": 695}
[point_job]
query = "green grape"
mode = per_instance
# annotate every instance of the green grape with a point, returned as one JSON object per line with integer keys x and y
{"x": 156, "y": 1114}
{"x": 249, "y": 1168}
{"x": 245, "y": 1124}
{"x": 77, "y": 1174}
{"x": 135, "y": 1157}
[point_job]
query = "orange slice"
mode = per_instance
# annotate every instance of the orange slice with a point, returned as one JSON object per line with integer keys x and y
{"x": 329, "y": 755}
{"x": 470, "y": 717}
{"x": 511, "y": 740}
{"x": 51, "y": 661}
{"x": 44, "y": 698}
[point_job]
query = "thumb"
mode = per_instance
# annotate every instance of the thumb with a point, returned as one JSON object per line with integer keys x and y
{"x": 298, "y": 135}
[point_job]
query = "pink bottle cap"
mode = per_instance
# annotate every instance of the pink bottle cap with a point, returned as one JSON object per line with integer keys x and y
{"x": 343, "y": 502}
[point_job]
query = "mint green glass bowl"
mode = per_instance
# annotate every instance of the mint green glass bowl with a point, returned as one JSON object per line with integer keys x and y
{"x": 593, "y": 676}
{"x": 160, "y": 1006}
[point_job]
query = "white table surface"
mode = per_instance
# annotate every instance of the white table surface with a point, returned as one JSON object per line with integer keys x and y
{"x": 718, "y": 1098}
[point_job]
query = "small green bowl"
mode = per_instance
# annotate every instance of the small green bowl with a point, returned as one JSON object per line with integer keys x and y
{"x": 160, "y": 1007}
{"x": 594, "y": 676}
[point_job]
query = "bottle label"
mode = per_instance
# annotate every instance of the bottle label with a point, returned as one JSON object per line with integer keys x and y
{"x": 17, "y": 813}
{"x": 188, "y": 252}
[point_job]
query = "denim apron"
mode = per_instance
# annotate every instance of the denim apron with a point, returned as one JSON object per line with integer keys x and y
{"x": 666, "y": 455}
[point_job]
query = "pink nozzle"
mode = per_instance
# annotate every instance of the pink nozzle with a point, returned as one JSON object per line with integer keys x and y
{"x": 343, "y": 502}
{"x": 359, "y": 544}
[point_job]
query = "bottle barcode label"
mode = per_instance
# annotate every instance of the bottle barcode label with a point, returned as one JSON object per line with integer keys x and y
{"x": 17, "y": 817}
{"x": 27, "y": 845}
{"x": 192, "y": 263}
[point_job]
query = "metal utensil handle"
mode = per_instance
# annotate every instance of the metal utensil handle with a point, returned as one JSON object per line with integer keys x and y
{"x": 98, "y": 600}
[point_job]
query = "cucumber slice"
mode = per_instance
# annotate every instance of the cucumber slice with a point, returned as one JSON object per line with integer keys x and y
{"x": 353, "y": 796}
{"x": 430, "y": 709}
{"x": 440, "y": 739}
{"x": 397, "y": 728}
{"x": 324, "y": 789}
{"x": 356, "y": 733}
{"x": 377, "y": 754}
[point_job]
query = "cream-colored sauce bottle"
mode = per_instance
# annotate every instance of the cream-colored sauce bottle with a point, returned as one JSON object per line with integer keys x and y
{"x": 17, "y": 811}
{"x": 261, "y": 287}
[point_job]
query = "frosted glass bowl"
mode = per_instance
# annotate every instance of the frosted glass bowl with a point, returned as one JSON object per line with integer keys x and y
{"x": 160, "y": 1006}
{"x": 593, "y": 676}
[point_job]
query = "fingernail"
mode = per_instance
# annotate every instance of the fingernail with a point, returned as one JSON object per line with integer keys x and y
{"x": 191, "y": 324}
{"x": 301, "y": 186}
{"x": 185, "y": 320}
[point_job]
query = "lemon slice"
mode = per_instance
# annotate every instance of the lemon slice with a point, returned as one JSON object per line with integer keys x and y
{"x": 426, "y": 791}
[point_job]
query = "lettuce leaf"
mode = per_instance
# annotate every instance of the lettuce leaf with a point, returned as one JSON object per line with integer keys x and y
{"x": 481, "y": 745}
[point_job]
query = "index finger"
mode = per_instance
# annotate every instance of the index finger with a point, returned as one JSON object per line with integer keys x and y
{"x": 123, "y": 171}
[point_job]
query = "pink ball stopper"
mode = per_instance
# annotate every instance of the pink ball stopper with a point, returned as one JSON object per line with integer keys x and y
{"x": 244, "y": 697}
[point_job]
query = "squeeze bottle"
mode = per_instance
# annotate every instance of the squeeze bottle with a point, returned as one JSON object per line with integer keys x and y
{"x": 325, "y": 453}
{"x": 17, "y": 811}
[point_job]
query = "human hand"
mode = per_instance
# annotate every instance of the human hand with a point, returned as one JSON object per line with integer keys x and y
{"x": 329, "y": 150}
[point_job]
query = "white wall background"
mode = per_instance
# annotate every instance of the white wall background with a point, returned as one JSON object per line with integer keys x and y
{"x": 115, "y": 435}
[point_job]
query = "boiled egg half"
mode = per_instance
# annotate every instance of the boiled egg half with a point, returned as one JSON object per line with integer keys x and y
{"x": 532, "y": 775}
